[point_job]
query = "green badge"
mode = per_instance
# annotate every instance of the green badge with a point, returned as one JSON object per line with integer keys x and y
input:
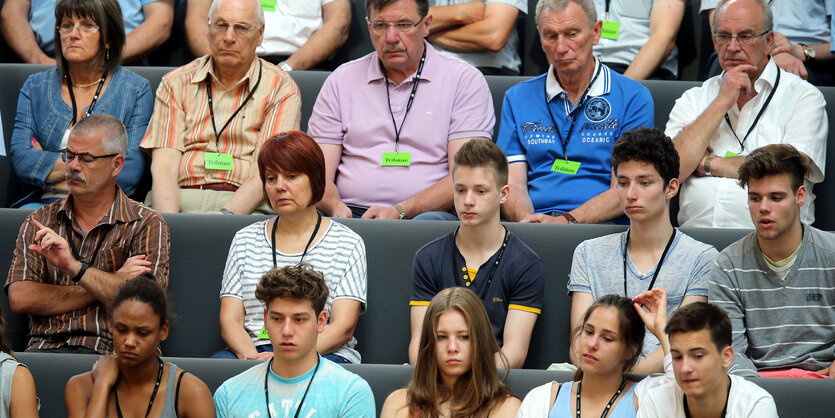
{"x": 215, "y": 161}
{"x": 610, "y": 29}
{"x": 263, "y": 334}
{"x": 268, "y": 5}
{"x": 394, "y": 159}
{"x": 565, "y": 167}
{"x": 729, "y": 154}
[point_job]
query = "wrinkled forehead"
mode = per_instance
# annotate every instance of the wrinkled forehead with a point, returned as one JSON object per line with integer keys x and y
{"x": 236, "y": 11}
{"x": 740, "y": 16}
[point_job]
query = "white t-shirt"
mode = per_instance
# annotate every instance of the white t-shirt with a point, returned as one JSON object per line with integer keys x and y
{"x": 746, "y": 399}
{"x": 290, "y": 25}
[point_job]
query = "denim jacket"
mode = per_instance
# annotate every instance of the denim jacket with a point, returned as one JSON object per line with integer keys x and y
{"x": 42, "y": 114}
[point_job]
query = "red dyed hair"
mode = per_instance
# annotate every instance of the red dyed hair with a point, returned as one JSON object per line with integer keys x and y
{"x": 294, "y": 152}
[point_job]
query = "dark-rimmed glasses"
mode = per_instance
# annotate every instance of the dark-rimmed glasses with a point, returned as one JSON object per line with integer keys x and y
{"x": 84, "y": 157}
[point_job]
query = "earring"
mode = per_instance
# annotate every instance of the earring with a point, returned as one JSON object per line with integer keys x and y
{"x": 107, "y": 55}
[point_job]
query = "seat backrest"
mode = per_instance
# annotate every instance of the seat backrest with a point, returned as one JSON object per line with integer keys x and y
{"x": 309, "y": 82}
{"x": 825, "y": 192}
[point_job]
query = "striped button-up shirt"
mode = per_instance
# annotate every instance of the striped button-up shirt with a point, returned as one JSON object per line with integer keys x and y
{"x": 182, "y": 119}
{"x": 128, "y": 229}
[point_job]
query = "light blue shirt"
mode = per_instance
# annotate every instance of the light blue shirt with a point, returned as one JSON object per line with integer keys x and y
{"x": 42, "y": 19}
{"x": 334, "y": 392}
{"x": 801, "y": 21}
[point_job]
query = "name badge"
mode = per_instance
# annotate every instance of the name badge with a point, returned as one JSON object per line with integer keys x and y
{"x": 729, "y": 154}
{"x": 397, "y": 159}
{"x": 610, "y": 29}
{"x": 263, "y": 335}
{"x": 216, "y": 161}
{"x": 565, "y": 166}
{"x": 268, "y": 5}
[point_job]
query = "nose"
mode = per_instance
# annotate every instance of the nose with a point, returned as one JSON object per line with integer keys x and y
{"x": 229, "y": 35}
{"x": 130, "y": 341}
{"x": 73, "y": 164}
{"x": 562, "y": 44}
{"x": 734, "y": 44}
{"x": 280, "y": 183}
{"x": 592, "y": 343}
{"x": 469, "y": 199}
{"x": 686, "y": 365}
{"x": 765, "y": 206}
{"x": 287, "y": 329}
{"x": 452, "y": 345}
{"x": 392, "y": 35}
{"x": 631, "y": 193}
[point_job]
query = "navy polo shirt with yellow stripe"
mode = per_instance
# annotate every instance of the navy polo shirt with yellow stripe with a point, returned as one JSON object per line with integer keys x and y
{"x": 519, "y": 282}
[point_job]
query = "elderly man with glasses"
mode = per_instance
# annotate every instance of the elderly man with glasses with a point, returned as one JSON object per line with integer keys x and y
{"x": 212, "y": 115}
{"x": 751, "y": 104}
{"x": 390, "y": 123}
{"x": 73, "y": 255}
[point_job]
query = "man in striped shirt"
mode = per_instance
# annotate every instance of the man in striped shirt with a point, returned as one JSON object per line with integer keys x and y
{"x": 72, "y": 256}
{"x": 212, "y": 115}
{"x": 776, "y": 284}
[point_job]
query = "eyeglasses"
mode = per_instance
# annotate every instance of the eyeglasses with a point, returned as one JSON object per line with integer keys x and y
{"x": 241, "y": 30}
{"x": 84, "y": 28}
{"x": 379, "y": 27}
{"x": 84, "y": 157}
{"x": 723, "y": 38}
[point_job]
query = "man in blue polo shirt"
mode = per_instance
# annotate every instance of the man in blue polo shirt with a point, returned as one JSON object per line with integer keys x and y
{"x": 482, "y": 255}
{"x": 558, "y": 129}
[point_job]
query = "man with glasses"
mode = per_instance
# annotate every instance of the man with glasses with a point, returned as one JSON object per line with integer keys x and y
{"x": 73, "y": 255}
{"x": 752, "y": 104}
{"x": 212, "y": 115}
{"x": 391, "y": 122}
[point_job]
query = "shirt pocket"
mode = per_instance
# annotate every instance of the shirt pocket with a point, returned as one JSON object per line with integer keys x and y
{"x": 113, "y": 258}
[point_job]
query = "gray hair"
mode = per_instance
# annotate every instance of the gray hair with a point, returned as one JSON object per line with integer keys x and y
{"x": 259, "y": 11}
{"x": 114, "y": 136}
{"x": 560, "y": 5}
{"x": 768, "y": 16}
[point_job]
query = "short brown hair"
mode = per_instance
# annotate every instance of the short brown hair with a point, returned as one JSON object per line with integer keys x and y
{"x": 107, "y": 14}
{"x": 294, "y": 282}
{"x": 294, "y": 152}
{"x": 772, "y": 160}
{"x": 422, "y": 6}
{"x": 482, "y": 152}
{"x": 698, "y": 316}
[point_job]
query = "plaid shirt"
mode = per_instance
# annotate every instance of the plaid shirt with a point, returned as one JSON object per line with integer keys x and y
{"x": 128, "y": 229}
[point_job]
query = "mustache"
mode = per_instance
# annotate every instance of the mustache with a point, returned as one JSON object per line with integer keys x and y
{"x": 74, "y": 175}
{"x": 395, "y": 48}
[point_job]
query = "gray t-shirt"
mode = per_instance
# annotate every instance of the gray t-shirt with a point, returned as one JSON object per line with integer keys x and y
{"x": 597, "y": 268}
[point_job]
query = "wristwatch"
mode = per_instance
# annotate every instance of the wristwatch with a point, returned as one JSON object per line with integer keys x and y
{"x": 226, "y": 211}
{"x": 707, "y": 166}
{"x": 571, "y": 219}
{"x": 285, "y": 66}
{"x": 400, "y": 211}
{"x": 808, "y": 52}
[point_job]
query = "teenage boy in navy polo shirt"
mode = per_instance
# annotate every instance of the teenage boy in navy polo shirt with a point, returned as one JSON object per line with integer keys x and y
{"x": 482, "y": 255}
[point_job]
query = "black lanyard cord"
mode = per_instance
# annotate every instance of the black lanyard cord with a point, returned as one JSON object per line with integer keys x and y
{"x": 309, "y": 241}
{"x": 608, "y": 405}
{"x": 212, "y": 109}
{"x": 578, "y": 108}
{"x": 486, "y": 287}
{"x": 757, "y": 118}
{"x": 408, "y": 104}
{"x": 89, "y": 110}
{"x": 75, "y": 250}
{"x": 657, "y": 267}
{"x": 301, "y": 403}
{"x": 153, "y": 394}
{"x": 724, "y": 410}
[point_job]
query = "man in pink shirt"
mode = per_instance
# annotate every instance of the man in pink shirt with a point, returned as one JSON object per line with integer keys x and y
{"x": 389, "y": 123}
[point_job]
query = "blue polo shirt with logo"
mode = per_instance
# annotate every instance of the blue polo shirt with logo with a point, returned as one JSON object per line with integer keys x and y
{"x": 613, "y": 105}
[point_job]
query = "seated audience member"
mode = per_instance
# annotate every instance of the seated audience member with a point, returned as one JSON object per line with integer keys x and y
{"x": 292, "y": 169}
{"x": 455, "y": 373}
{"x": 558, "y": 129}
{"x": 17, "y": 387}
{"x": 482, "y": 33}
{"x": 651, "y": 254}
{"x": 388, "y": 143}
{"x": 297, "y": 380}
{"x": 776, "y": 283}
{"x": 802, "y": 44}
{"x": 607, "y": 344}
{"x": 697, "y": 346}
{"x": 754, "y": 103}
{"x": 212, "y": 115}
{"x": 87, "y": 80}
{"x": 139, "y": 321}
{"x": 638, "y": 37}
{"x": 479, "y": 252}
{"x": 30, "y": 26}
{"x": 73, "y": 255}
{"x": 298, "y": 35}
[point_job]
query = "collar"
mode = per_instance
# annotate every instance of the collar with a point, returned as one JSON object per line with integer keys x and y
{"x": 375, "y": 72}
{"x": 121, "y": 210}
{"x": 206, "y": 68}
{"x": 600, "y": 87}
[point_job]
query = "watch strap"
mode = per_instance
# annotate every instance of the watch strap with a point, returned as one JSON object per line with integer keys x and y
{"x": 81, "y": 271}
{"x": 400, "y": 211}
{"x": 571, "y": 219}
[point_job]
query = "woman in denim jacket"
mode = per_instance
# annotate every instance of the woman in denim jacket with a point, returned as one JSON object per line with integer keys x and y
{"x": 89, "y": 40}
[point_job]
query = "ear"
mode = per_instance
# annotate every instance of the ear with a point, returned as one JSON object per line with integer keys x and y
{"x": 427, "y": 22}
{"x": 504, "y": 193}
{"x": 769, "y": 43}
{"x": 163, "y": 331}
{"x": 800, "y": 195}
{"x": 323, "y": 320}
{"x": 118, "y": 164}
{"x": 672, "y": 188}
{"x": 597, "y": 30}
{"x": 260, "y": 34}
{"x": 727, "y": 356}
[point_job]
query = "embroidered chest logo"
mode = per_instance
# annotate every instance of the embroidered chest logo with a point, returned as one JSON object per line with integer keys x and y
{"x": 597, "y": 109}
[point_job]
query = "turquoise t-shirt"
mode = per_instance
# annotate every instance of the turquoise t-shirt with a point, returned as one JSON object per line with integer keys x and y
{"x": 334, "y": 392}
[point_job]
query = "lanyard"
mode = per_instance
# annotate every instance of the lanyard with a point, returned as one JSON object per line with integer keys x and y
{"x": 608, "y": 405}
{"x": 92, "y": 104}
{"x": 75, "y": 250}
{"x": 313, "y": 235}
{"x": 153, "y": 394}
{"x": 606, "y": 16}
{"x": 564, "y": 142}
{"x": 657, "y": 268}
{"x": 757, "y": 118}
{"x": 724, "y": 410}
{"x": 486, "y": 287}
{"x": 309, "y": 382}
{"x": 212, "y": 109}
{"x": 408, "y": 104}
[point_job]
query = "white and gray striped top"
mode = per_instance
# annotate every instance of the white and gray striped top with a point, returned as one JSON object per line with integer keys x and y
{"x": 339, "y": 255}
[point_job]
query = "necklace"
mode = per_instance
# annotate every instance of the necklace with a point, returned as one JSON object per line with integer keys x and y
{"x": 88, "y": 84}
{"x": 153, "y": 394}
